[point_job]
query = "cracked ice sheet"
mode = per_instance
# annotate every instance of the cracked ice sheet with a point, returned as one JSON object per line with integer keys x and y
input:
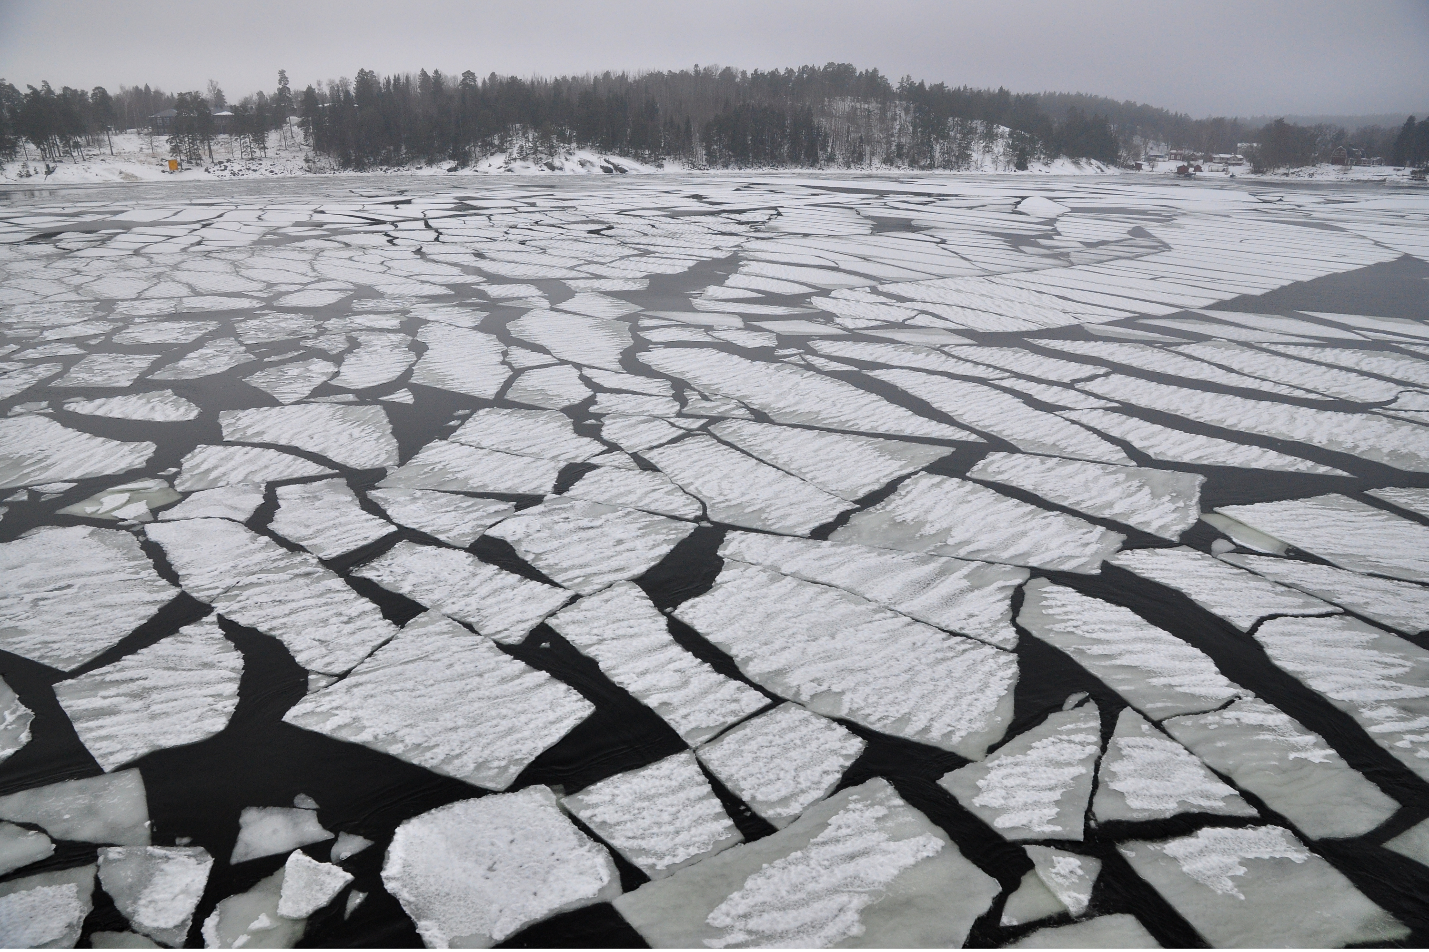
{"x": 475, "y": 872}
{"x": 1160, "y": 502}
{"x": 160, "y": 406}
{"x": 793, "y": 395}
{"x": 252, "y": 580}
{"x": 461, "y": 361}
{"x": 970, "y": 598}
{"x": 456, "y": 467}
{"x": 356, "y": 436}
{"x": 543, "y": 434}
{"x": 1147, "y": 776}
{"x": 782, "y": 761}
{"x": 842, "y": 656}
{"x": 662, "y": 818}
{"x": 862, "y": 868}
{"x": 740, "y": 490}
{"x": 325, "y": 518}
{"x": 1160, "y": 360}
{"x": 1241, "y": 598}
{"x": 1157, "y": 673}
{"x": 1178, "y": 446}
{"x": 1396, "y": 443}
{"x": 455, "y": 520}
{"x": 71, "y": 593}
{"x": 499, "y": 604}
{"x": 445, "y": 699}
{"x": 1401, "y": 605}
{"x": 944, "y": 516}
{"x": 1036, "y": 786}
{"x": 1004, "y": 416}
{"x": 35, "y": 449}
{"x": 1379, "y": 679}
{"x": 575, "y": 338}
{"x": 623, "y": 633}
{"x": 1344, "y": 531}
{"x": 292, "y": 381}
{"x": 843, "y": 464}
{"x": 585, "y": 546}
{"x": 177, "y": 691}
{"x": 1259, "y": 887}
{"x": 1272, "y": 755}
{"x": 219, "y": 467}
{"x": 1341, "y": 384}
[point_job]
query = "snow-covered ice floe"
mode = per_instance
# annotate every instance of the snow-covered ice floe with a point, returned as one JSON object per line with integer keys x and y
{"x": 326, "y": 519}
{"x": 1401, "y": 605}
{"x": 35, "y": 449}
{"x": 46, "y": 910}
{"x": 454, "y": 519}
{"x": 360, "y": 437}
{"x": 157, "y": 888}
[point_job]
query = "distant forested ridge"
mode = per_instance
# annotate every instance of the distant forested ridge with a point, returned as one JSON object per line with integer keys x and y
{"x": 830, "y": 116}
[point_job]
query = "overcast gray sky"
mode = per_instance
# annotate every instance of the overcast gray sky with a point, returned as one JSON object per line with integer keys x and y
{"x": 1205, "y": 57}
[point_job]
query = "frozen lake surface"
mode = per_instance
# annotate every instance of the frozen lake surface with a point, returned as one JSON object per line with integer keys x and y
{"x": 712, "y": 561}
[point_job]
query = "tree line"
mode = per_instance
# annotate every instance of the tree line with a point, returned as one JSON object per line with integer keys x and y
{"x": 832, "y": 115}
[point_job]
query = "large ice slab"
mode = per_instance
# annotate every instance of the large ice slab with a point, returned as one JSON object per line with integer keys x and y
{"x": 47, "y": 910}
{"x": 309, "y": 885}
{"x": 742, "y": 491}
{"x": 212, "y": 358}
{"x": 861, "y": 868}
{"x": 790, "y": 394}
{"x": 106, "y": 370}
{"x": 35, "y": 449}
{"x": 455, "y": 520}
{"x": 356, "y": 436}
{"x": 550, "y": 387}
{"x": 1330, "y": 381}
{"x": 445, "y": 699}
{"x": 545, "y": 434}
{"x": 1379, "y": 679}
{"x": 1036, "y": 786}
{"x": 1272, "y": 755}
{"x": 250, "y": 920}
{"x": 1410, "y": 500}
{"x": 110, "y": 808}
{"x": 941, "y": 515}
{"x": 1157, "y": 673}
{"x": 1161, "y": 502}
{"x": 323, "y": 623}
{"x": 843, "y": 464}
{"x": 636, "y": 489}
{"x": 622, "y": 631}
{"x": 292, "y": 381}
{"x": 1396, "y": 443}
{"x": 1120, "y": 930}
{"x": 326, "y": 519}
{"x": 159, "y": 406}
{"x": 1241, "y": 598}
{"x": 1146, "y": 775}
{"x": 577, "y": 338}
{"x": 842, "y": 656}
{"x": 177, "y": 691}
{"x": 270, "y": 831}
{"x": 499, "y": 604}
{"x": 1344, "y": 531}
{"x": 456, "y": 467}
{"x": 1178, "y": 446}
{"x": 994, "y": 411}
{"x": 71, "y": 593}
{"x": 20, "y": 847}
{"x": 460, "y": 360}
{"x": 662, "y": 817}
{"x": 474, "y": 872}
{"x": 1258, "y": 887}
{"x": 237, "y": 502}
{"x": 971, "y": 598}
{"x": 782, "y": 761}
{"x": 1401, "y": 605}
{"x": 1161, "y": 360}
{"x": 157, "y": 888}
{"x": 214, "y": 467}
{"x": 379, "y": 358}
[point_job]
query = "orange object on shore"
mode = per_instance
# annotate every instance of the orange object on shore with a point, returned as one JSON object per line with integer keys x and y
{"x": 173, "y": 165}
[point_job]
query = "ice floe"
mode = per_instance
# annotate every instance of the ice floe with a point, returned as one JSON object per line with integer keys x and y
{"x": 326, "y": 519}
{"x": 292, "y": 381}
{"x": 35, "y": 449}
{"x": 577, "y": 338}
{"x": 20, "y": 847}
{"x": 1410, "y": 500}
{"x": 130, "y": 501}
{"x": 941, "y": 515}
{"x": 445, "y": 699}
{"x": 1401, "y": 605}
{"x": 1146, "y": 775}
{"x": 499, "y": 604}
{"x": 454, "y": 519}
{"x": 456, "y": 467}
{"x": 842, "y": 656}
{"x": 1270, "y": 754}
{"x": 475, "y": 872}
{"x": 635, "y": 489}
{"x": 47, "y": 910}
{"x": 237, "y": 502}
{"x": 1327, "y": 380}
{"x": 1413, "y": 842}
{"x": 1117, "y": 931}
{"x": 309, "y": 885}
{"x": 157, "y": 888}
{"x": 1259, "y": 886}
{"x": 71, "y": 593}
{"x": 106, "y": 370}
{"x": 551, "y": 387}
{"x": 461, "y": 361}
{"x": 1036, "y": 786}
{"x": 662, "y": 817}
{"x": 110, "y": 808}
{"x": 180, "y": 690}
{"x": 544, "y": 434}
{"x": 378, "y": 359}
{"x": 356, "y": 436}
{"x": 324, "y": 624}
{"x": 1069, "y": 876}
{"x": 251, "y": 920}
{"x": 1161, "y": 360}
{"x": 269, "y": 831}
{"x": 1157, "y": 673}
{"x": 1160, "y": 502}
{"x": 213, "y": 467}
{"x": 211, "y": 359}
{"x": 160, "y": 406}
{"x": 862, "y": 867}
